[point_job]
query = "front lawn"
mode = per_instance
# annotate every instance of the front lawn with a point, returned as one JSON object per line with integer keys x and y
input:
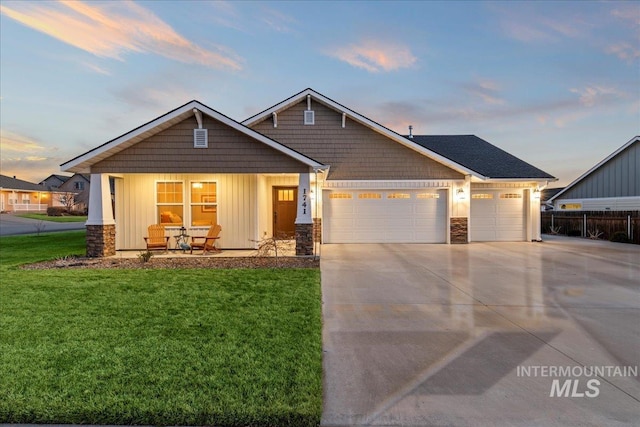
{"x": 158, "y": 347}
{"x": 45, "y": 217}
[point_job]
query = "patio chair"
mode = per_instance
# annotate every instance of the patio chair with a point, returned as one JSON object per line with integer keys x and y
{"x": 156, "y": 238}
{"x": 207, "y": 243}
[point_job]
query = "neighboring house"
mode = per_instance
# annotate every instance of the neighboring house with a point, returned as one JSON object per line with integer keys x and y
{"x": 54, "y": 181}
{"x": 306, "y": 167}
{"x": 78, "y": 184}
{"x": 611, "y": 185}
{"x": 17, "y": 195}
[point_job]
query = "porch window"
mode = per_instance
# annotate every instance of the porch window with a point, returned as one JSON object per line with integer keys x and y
{"x": 170, "y": 204}
{"x": 204, "y": 203}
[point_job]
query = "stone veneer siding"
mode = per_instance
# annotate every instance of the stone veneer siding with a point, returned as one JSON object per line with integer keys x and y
{"x": 459, "y": 230}
{"x": 304, "y": 239}
{"x": 317, "y": 229}
{"x": 101, "y": 240}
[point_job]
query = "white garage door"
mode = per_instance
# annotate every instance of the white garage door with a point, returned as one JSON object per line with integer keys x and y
{"x": 497, "y": 215}
{"x": 389, "y": 216}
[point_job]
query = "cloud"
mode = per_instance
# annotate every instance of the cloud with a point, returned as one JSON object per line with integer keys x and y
{"x": 25, "y": 157}
{"x": 114, "y": 29}
{"x": 19, "y": 144}
{"x": 96, "y": 69}
{"x": 592, "y": 95}
{"x": 487, "y": 90}
{"x": 624, "y": 51}
{"x": 277, "y": 20}
{"x": 375, "y": 56}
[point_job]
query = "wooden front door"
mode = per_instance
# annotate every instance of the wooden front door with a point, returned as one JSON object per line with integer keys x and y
{"x": 284, "y": 211}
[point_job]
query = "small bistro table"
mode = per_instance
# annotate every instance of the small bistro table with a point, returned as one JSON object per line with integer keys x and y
{"x": 181, "y": 240}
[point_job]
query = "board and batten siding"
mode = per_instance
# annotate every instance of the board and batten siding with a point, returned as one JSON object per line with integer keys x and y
{"x": 619, "y": 177}
{"x": 135, "y": 201}
{"x": 354, "y": 152}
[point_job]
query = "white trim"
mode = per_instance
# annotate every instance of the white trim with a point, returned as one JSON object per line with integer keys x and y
{"x": 157, "y": 204}
{"x": 387, "y": 185}
{"x": 84, "y": 162}
{"x": 366, "y": 122}
{"x": 587, "y": 173}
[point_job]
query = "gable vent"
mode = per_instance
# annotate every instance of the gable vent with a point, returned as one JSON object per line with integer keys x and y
{"x": 200, "y": 138}
{"x": 309, "y": 117}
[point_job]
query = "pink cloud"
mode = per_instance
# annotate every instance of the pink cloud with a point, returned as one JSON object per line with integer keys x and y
{"x": 115, "y": 29}
{"x": 375, "y": 56}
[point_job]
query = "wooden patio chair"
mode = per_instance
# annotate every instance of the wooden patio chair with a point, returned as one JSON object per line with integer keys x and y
{"x": 207, "y": 243}
{"x": 156, "y": 238}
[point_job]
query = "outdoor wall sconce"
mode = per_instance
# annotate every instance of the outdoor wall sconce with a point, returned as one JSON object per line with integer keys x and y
{"x": 460, "y": 194}
{"x": 536, "y": 193}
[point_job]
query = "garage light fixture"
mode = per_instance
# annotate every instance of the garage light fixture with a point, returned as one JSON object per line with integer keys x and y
{"x": 460, "y": 194}
{"x": 536, "y": 193}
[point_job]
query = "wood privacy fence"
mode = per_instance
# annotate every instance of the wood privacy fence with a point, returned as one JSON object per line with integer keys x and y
{"x": 603, "y": 224}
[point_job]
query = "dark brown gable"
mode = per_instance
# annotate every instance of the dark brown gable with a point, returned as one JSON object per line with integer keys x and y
{"x": 171, "y": 150}
{"x": 354, "y": 152}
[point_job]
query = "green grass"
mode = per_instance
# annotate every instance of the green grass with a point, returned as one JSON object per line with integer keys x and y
{"x": 158, "y": 347}
{"x": 45, "y": 217}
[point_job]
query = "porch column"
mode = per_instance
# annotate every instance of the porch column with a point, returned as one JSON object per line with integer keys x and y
{"x": 460, "y": 212}
{"x": 101, "y": 226}
{"x": 534, "y": 215}
{"x": 304, "y": 221}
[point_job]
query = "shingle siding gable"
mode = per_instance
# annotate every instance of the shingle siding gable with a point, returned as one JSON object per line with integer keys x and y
{"x": 354, "y": 152}
{"x": 171, "y": 150}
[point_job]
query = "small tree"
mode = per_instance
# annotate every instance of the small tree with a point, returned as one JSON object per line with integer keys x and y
{"x": 67, "y": 199}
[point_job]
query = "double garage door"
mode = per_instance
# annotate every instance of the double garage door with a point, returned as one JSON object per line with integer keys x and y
{"x": 386, "y": 216}
{"x": 497, "y": 215}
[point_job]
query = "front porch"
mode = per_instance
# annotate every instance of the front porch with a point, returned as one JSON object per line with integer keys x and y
{"x": 250, "y": 208}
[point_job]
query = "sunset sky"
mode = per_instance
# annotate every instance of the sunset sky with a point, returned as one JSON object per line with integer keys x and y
{"x": 554, "y": 83}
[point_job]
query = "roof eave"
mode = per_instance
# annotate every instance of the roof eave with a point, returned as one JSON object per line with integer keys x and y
{"x": 83, "y": 163}
{"x": 364, "y": 121}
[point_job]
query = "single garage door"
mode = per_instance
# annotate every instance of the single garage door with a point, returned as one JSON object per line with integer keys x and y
{"x": 389, "y": 216}
{"x": 497, "y": 215}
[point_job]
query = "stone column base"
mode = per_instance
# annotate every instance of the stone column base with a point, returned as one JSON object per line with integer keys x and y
{"x": 317, "y": 230}
{"x": 459, "y": 230}
{"x": 101, "y": 240}
{"x": 304, "y": 239}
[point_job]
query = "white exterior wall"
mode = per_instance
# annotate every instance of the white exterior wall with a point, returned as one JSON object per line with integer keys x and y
{"x": 237, "y": 208}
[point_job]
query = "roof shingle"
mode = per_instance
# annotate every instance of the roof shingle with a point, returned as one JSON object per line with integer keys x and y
{"x": 478, "y": 155}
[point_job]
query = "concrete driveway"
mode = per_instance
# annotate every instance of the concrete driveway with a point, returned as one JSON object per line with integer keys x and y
{"x": 482, "y": 334}
{"x": 11, "y": 225}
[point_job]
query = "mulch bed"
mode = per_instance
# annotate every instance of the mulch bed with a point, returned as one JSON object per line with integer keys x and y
{"x": 178, "y": 262}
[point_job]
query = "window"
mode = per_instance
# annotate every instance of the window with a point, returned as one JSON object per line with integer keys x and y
{"x": 204, "y": 203}
{"x": 369, "y": 196}
{"x": 511, "y": 196}
{"x": 428, "y": 196}
{"x": 78, "y": 185}
{"x": 286, "y": 195}
{"x": 398, "y": 196}
{"x": 340, "y": 196}
{"x": 571, "y": 206}
{"x": 482, "y": 196}
{"x": 170, "y": 203}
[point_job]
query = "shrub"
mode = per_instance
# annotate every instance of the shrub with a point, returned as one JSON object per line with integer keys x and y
{"x": 56, "y": 211}
{"x": 77, "y": 213}
{"x": 620, "y": 237}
